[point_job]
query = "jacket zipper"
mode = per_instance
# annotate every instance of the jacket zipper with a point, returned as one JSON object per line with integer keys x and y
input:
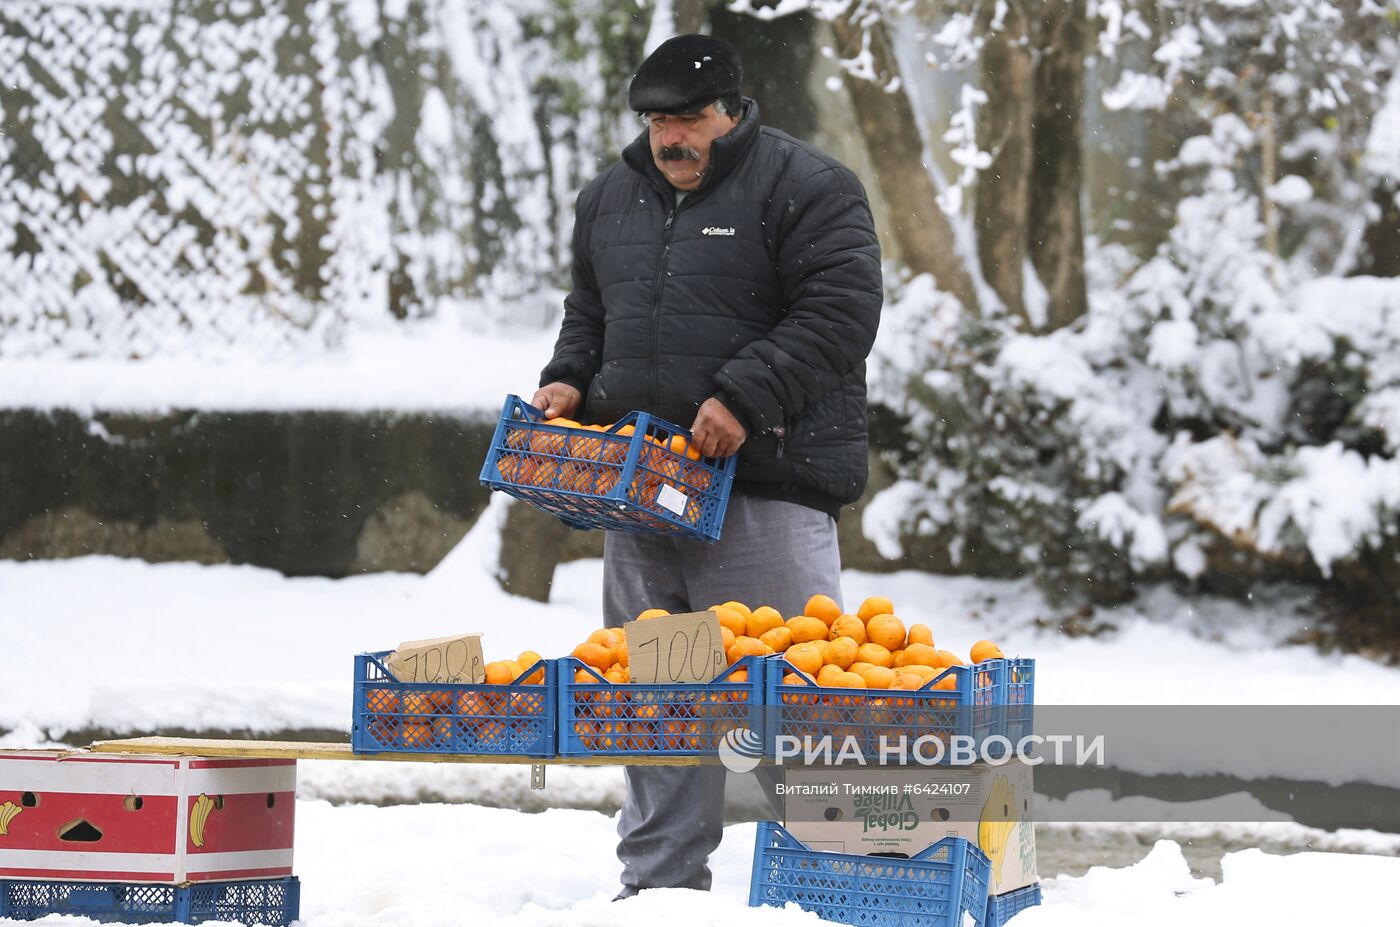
{"x": 656, "y": 288}
{"x": 780, "y": 433}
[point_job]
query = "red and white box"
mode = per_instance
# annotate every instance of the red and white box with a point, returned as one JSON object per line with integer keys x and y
{"x": 145, "y": 818}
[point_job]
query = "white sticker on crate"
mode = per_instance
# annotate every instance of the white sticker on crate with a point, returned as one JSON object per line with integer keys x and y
{"x": 673, "y": 499}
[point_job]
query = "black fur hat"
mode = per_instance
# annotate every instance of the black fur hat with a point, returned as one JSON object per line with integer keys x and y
{"x": 685, "y": 74}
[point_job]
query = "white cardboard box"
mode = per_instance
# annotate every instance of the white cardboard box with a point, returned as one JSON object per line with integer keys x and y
{"x": 903, "y": 811}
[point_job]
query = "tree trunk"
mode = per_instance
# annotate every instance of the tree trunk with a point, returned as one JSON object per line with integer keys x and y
{"x": 1004, "y": 129}
{"x": 888, "y": 124}
{"x": 688, "y": 15}
{"x": 777, "y": 58}
{"x": 1381, "y": 254}
{"x": 532, "y": 542}
{"x": 1055, "y": 223}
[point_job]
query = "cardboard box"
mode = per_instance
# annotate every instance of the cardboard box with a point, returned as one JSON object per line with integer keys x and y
{"x": 155, "y": 819}
{"x": 454, "y": 659}
{"x": 903, "y": 811}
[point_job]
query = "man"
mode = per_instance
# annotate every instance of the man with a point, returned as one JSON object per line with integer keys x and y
{"x": 725, "y": 276}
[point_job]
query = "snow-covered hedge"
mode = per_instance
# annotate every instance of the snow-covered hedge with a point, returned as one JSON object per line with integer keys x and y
{"x": 1218, "y": 412}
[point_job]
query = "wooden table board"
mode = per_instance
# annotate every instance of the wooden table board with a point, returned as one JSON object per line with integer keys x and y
{"x": 308, "y": 750}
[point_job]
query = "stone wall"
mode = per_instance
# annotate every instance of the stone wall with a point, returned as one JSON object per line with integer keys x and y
{"x": 306, "y": 493}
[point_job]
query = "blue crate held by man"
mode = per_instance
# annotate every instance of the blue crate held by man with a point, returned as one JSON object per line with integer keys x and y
{"x": 399, "y": 717}
{"x": 1001, "y": 908}
{"x": 599, "y": 718}
{"x": 639, "y": 474}
{"x": 934, "y": 888}
{"x": 889, "y": 726}
{"x": 274, "y": 902}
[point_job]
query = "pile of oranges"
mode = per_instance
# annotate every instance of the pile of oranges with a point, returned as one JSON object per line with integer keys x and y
{"x": 589, "y": 460}
{"x": 466, "y": 719}
{"x": 871, "y": 649}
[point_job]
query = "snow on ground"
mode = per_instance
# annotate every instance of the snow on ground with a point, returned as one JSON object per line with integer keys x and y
{"x": 106, "y": 643}
{"x": 433, "y": 864}
{"x": 435, "y": 365}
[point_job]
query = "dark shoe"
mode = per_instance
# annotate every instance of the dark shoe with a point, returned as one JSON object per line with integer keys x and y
{"x": 627, "y": 892}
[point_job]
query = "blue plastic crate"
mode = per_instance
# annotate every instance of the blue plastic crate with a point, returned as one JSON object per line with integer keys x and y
{"x": 875, "y": 720}
{"x": 599, "y": 718}
{"x": 934, "y": 888}
{"x": 616, "y": 479}
{"x": 274, "y": 902}
{"x": 1019, "y": 700}
{"x": 400, "y": 717}
{"x": 1001, "y": 908}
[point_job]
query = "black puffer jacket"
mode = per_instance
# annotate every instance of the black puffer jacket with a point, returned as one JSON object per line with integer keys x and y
{"x": 762, "y": 288}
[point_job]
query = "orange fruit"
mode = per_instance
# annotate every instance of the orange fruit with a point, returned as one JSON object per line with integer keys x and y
{"x": 948, "y": 658}
{"x": 875, "y": 605}
{"x": 849, "y": 626}
{"x": 739, "y": 675}
{"x": 732, "y": 619}
{"x": 382, "y": 700}
{"x": 917, "y": 653}
{"x": 806, "y": 628}
{"x": 859, "y": 667}
{"x": 739, "y": 607}
{"x": 985, "y": 650}
{"x": 923, "y": 672}
{"x": 747, "y": 647}
{"x": 885, "y": 630}
{"x": 417, "y": 734}
{"x": 498, "y": 673}
{"x": 805, "y": 657}
{"x": 874, "y": 653}
{"x": 608, "y": 637}
{"x": 827, "y": 673}
{"x": 903, "y": 680}
{"x": 823, "y": 607}
{"x": 842, "y": 651}
{"x": 764, "y": 618}
{"x": 727, "y": 638}
{"x": 595, "y": 655}
{"x": 680, "y": 444}
{"x": 848, "y": 681}
{"x": 653, "y": 613}
{"x": 583, "y": 675}
{"x": 616, "y": 675}
{"x": 621, "y": 656}
{"x": 797, "y": 679}
{"x": 527, "y": 659}
{"x": 948, "y": 683}
{"x": 878, "y": 677}
{"x": 779, "y": 639}
{"x": 920, "y": 634}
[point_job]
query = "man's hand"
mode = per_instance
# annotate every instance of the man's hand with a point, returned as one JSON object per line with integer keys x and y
{"x": 556, "y": 400}
{"x": 717, "y": 432}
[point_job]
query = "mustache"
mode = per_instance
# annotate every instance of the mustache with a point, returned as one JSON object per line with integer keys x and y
{"x": 678, "y": 153}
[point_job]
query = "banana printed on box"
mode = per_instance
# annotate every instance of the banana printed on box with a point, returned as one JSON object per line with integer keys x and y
{"x": 154, "y": 819}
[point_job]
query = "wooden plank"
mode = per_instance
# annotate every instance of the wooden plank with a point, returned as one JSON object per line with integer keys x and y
{"x": 308, "y": 750}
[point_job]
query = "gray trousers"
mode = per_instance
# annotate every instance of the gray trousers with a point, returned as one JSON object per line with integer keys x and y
{"x": 769, "y": 553}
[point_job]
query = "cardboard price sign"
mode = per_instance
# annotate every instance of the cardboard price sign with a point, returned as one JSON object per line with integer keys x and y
{"x": 675, "y": 648}
{"x": 441, "y": 659}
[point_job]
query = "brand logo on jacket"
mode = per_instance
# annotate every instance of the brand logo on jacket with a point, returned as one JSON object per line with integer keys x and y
{"x": 716, "y": 230}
